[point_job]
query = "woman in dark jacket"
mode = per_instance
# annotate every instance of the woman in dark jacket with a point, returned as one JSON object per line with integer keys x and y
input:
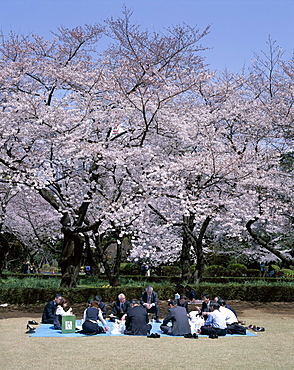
{"x": 92, "y": 315}
{"x": 191, "y": 294}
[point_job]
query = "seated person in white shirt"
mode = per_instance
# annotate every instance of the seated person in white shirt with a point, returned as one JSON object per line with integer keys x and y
{"x": 215, "y": 323}
{"x": 60, "y": 311}
{"x": 231, "y": 320}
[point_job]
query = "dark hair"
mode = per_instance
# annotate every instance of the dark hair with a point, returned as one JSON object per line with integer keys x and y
{"x": 134, "y": 301}
{"x": 215, "y": 305}
{"x": 172, "y": 302}
{"x": 205, "y": 295}
{"x": 98, "y": 298}
{"x": 187, "y": 287}
{"x": 63, "y": 301}
{"x": 57, "y": 296}
{"x": 94, "y": 304}
{"x": 221, "y": 302}
{"x": 183, "y": 296}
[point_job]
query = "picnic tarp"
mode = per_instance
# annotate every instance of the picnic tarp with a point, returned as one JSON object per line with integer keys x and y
{"x": 47, "y": 330}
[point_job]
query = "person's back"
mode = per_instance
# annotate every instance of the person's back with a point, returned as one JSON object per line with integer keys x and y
{"x": 137, "y": 320}
{"x": 229, "y": 315}
{"x": 179, "y": 319}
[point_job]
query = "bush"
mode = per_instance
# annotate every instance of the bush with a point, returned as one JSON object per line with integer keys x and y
{"x": 236, "y": 269}
{"x": 253, "y": 273}
{"x": 171, "y": 271}
{"x": 287, "y": 273}
{"x": 129, "y": 269}
{"x": 214, "y": 271}
{"x": 247, "y": 291}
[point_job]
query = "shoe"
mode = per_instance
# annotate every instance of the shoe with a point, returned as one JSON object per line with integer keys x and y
{"x": 195, "y": 336}
{"x": 153, "y": 335}
{"x": 213, "y": 336}
{"x": 258, "y": 328}
{"x": 29, "y": 327}
{"x": 33, "y": 322}
{"x": 158, "y": 321}
{"x": 189, "y": 335}
{"x": 30, "y": 331}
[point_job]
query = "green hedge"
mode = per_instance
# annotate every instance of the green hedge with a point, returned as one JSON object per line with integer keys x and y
{"x": 231, "y": 291}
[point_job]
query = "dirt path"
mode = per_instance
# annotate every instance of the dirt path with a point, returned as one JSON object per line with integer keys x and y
{"x": 35, "y": 311}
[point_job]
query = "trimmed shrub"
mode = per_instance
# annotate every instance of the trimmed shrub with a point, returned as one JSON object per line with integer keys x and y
{"x": 214, "y": 271}
{"x": 287, "y": 273}
{"x": 129, "y": 269}
{"x": 236, "y": 269}
{"x": 171, "y": 271}
{"x": 253, "y": 273}
{"x": 261, "y": 291}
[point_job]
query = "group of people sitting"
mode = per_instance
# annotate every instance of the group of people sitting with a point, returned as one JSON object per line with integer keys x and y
{"x": 213, "y": 318}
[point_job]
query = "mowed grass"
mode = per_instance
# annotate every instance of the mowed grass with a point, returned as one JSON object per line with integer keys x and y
{"x": 272, "y": 349}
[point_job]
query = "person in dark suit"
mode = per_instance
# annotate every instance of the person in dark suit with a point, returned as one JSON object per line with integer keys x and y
{"x": 182, "y": 302}
{"x": 101, "y": 305}
{"x": 191, "y": 294}
{"x": 120, "y": 308}
{"x": 137, "y": 320}
{"x": 178, "y": 317}
{"x": 206, "y": 303}
{"x": 50, "y": 310}
{"x": 149, "y": 300}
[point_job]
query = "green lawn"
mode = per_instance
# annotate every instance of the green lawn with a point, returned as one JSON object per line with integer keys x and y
{"x": 272, "y": 349}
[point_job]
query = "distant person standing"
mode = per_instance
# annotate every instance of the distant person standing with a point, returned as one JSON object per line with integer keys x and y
{"x": 25, "y": 267}
{"x": 145, "y": 271}
{"x": 262, "y": 268}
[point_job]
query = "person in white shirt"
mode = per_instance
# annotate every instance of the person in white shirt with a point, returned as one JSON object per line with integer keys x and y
{"x": 231, "y": 320}
{"x": 215, "y": 323}
{"x": 230, "y": 316}
{"x": 60, "y": 311}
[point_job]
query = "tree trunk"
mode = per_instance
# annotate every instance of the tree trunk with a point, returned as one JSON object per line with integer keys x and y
{"x": 70, "y": 260}
{"x": 4, "y": 248}
{"x": 188, "y": 225}
{"x": 92, "y": 259}
{"x": 111, "y": 273}
{"x": 288, "y": 261}
{"x": 185, "y": 258}
{"x": 197, "y": 243}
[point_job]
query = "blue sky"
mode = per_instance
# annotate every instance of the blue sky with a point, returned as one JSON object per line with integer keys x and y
{"x": 239, "y": 28}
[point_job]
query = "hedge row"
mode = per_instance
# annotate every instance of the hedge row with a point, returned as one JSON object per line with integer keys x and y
{"x": 159, "y": 279}
{"x": 231, "y": 291}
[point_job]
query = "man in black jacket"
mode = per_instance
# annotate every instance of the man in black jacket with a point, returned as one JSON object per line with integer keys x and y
{"x": 149, "y": 300}
{"x": 50, "y": 309}
{"x": 137, "y": 320}
{"x": 120, "y": 308}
